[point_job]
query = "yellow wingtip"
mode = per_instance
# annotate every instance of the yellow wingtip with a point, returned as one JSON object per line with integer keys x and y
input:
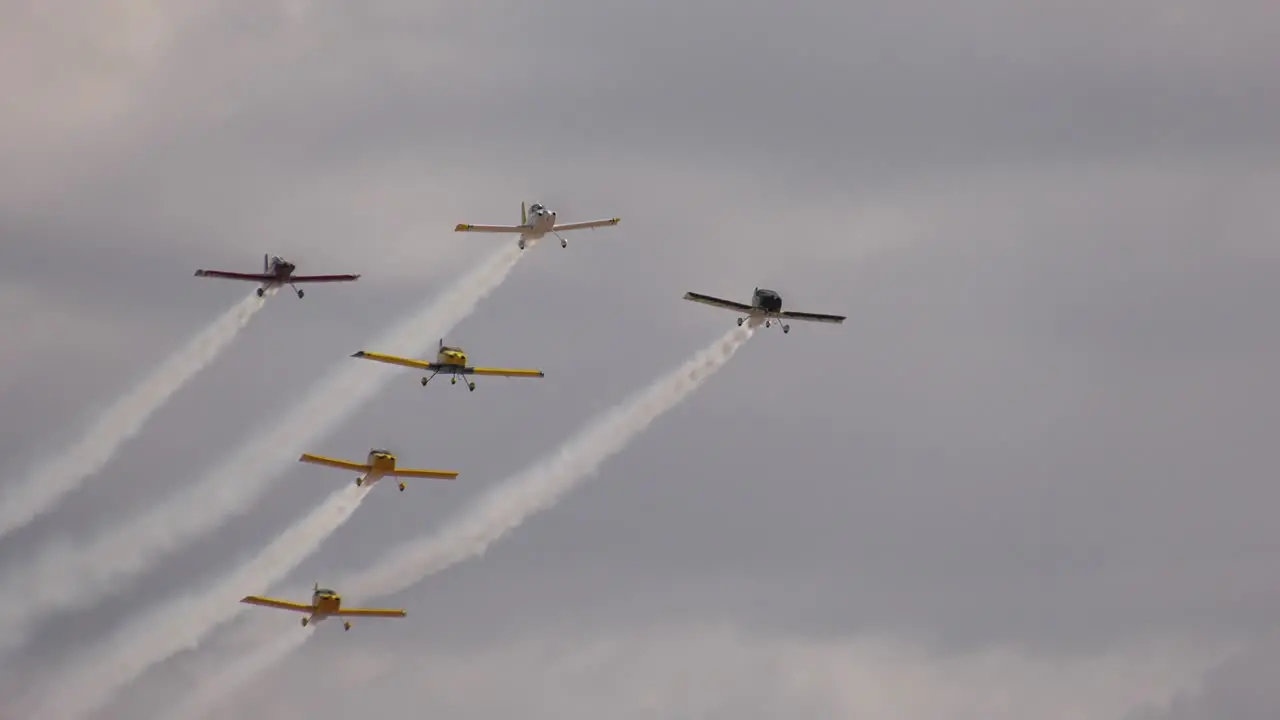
{"x": 461, "y": 226}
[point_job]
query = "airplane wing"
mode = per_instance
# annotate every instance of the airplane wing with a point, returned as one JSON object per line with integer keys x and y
{"x": 587, "y": 224}
{"x": 813, "y": 317}
{"x": 717, "y": 302}
{"x": 331, "y": 462}
{"x": 278, "y": 604}
{"x": 465, "y": 227}
{"x": 251, "y": 277}
{"x": 370, "y": 612}
{"x": 323, "y": 278}
{"x": 502, "y": 372}
{"x": 393, "y": 360}
{"x": 437, "y": 474}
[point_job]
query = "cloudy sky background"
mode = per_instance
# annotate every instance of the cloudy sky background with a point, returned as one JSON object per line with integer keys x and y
{"x": 1030, "y": 475}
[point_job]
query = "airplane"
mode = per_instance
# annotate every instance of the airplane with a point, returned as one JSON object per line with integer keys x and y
{"x": 324, "y": 603}
{"x": 535, "y": 223}
{"x": 449, "y": 360}
{"x": 766, "y": 306}
{"x": 380, "y": 463}
{"x": 276, "y": 271}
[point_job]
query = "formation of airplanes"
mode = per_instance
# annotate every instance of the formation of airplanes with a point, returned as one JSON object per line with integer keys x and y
{"x": 536, "y": 222}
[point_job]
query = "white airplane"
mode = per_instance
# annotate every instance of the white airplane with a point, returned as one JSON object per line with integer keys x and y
{"x": 535, "y": 223}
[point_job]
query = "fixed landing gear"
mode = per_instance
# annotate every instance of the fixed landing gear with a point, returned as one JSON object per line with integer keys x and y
{"x": 401, "y": 487}
{"x": 740, "y": 321}
{"x": 359, "y": 481}
{"x": 786, "y": 329}
{"x": 346, "y": 626}
{"x": 520, "y": 244}
{"x": 262, "y": 291}
{"x": 564, "y": 243}
{"x": 454, "y": 381}
{"x": 304, "y": 621}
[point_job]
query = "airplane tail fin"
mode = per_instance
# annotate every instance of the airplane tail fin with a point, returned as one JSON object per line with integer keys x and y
{"x": 524, "y": 217}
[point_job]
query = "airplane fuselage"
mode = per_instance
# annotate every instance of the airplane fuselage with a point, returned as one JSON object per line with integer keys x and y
{"x": 324, "y": 604}
{"x": 539, "y": 223}
{"x": 381, "y": 462}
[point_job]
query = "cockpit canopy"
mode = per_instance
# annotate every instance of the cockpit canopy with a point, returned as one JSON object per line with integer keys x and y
{"x": 379, "y": 451}
{"x": 325, "y": 591}
{"x": 536, "y": 207}
{"x": 765, "y": 292}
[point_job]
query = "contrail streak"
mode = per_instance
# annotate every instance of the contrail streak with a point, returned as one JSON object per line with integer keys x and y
{"x": 503, "y": 508}
{"x": 71, "y": 576}
{"x": 183, "y": 623}
{"x": 202, "y": 700}
{"x": 46, "y": 485}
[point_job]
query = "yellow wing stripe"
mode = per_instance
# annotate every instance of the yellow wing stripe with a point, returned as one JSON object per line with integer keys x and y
{"x": 393, "y": 360}
{"x": 371, "y": 612}
{"x": 505, "y": 372}
{"x": 331, "y": 462}
{"x": 278, "y": 604}
{"x": 409, "y": 472}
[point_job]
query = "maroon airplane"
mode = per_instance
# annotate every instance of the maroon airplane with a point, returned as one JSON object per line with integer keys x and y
{"x": 276, "y": 271}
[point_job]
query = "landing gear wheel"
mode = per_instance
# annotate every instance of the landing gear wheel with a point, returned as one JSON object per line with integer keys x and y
{"x": 262, "y": 291}
{"x": 453, "y": 380}
{"x": 768, "y": 323}
{"x": 786, "y": 329}
{"x": 300, "y": 294}
{"x": 424, "y": 382}
{"x": 740, "y": 320}
{"x": 401, "y": 487}
{"x": 304, "y": 622}
{"x": 520, "y": 244}
{"x": 564, "y": 243}
{"x": 346, "y": 626}
{"x": 471, "y": 387}
{"x": 359, "y": 481}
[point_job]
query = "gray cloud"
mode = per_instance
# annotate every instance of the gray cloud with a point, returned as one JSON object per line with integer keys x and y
{"x": 1043, "y": 428}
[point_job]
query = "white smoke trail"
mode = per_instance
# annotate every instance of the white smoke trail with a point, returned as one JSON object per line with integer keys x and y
{"x": 71, "y": 576}
{"x": 183, "y": 623}
{"x": 205, "y": 698}
{"x": 46, "y": 485}
{"x": 504, "y": 507}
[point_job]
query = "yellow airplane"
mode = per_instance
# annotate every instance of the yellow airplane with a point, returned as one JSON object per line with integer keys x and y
{"x": 449, "y": 360}
{"x": 380, "y": 464}
{"x": 324, "y": 603}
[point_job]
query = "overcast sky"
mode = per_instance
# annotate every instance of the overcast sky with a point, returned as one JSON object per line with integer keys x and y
{"x": 1030, "y": 476}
